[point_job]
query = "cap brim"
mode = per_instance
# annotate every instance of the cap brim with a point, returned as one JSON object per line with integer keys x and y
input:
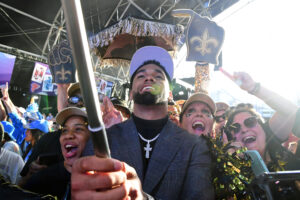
{"x": 200, "y": 97}
{"x": 73, "y": 88}
{"x": 149, "y": 53}
{"x": 221, "y": 106}
{"x": 66, "y": 113}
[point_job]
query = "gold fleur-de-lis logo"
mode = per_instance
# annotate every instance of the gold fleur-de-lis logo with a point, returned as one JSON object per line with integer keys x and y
{"x": 204, "y": 41}
{"x": 63, "y": 74}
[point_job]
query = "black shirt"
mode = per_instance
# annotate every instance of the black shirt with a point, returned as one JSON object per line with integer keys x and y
{"x": 48, "y": 144}
{"x": 148, "y": 129}
{"x": 53, "y": 180}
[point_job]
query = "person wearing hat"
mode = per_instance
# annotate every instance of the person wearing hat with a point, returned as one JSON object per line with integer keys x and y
{"x": 121, "y": 106}
{"x": 74, "y": 134}
{"x": 67, "y": 95}
{"x": 9, "y": 143}
{"x": 73, "y": 97}
{"x": 220, "y": 120}
{"x": 151, "y": 155}
{"x": 55, "y": 179}
{"x": 34, "y": 131}
{"x": 17, "y": 121}
{"x": 197, "y": 115}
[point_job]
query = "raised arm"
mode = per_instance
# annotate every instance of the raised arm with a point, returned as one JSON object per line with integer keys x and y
{"x": 62, "y": 95}
{"x": 281, "y": 123}
{"x": 7, "y": 101}
{"x": 3, "y": 114}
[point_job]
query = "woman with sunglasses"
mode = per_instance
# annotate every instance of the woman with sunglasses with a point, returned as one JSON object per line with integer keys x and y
{"x": 197, "y": 117}
{"x": 248, "y": 128}
{"x": 281, "y": 123}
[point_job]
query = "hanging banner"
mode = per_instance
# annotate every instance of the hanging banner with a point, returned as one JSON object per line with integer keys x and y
{"x": 103, "y": 87}
{"x": 38, "y": 72}
{"x": 41, "y": 81}
{"x": 61, "y": 63}
{"x": 7, "y": 63}
{"x": 204, "y": 38}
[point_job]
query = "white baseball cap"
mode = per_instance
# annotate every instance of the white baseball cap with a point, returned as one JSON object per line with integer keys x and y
{"x": 149, "y": 53}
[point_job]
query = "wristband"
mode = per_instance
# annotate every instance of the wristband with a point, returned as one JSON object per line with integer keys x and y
{"x": 255, "y": 89}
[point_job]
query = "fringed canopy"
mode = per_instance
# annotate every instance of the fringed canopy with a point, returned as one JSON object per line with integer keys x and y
{"x": 116, "y": 44}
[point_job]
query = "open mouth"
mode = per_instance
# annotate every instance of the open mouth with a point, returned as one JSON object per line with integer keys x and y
{"x": 249, "y": 139}
{"x": 198, "y": 126}
{"x": 147, "y": 88}
{"x": 71, "y": 150}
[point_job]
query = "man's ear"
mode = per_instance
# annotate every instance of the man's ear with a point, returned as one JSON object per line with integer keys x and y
{"x": 130, "y": 95}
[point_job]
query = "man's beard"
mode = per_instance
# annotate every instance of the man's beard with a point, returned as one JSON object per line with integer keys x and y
{"x": 148, "y": 99}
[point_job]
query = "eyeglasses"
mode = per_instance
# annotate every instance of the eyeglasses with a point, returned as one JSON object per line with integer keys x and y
{"x": 75, "y": 100}
{"x": 220, "y": 118}
{"x": 249, "y": 123}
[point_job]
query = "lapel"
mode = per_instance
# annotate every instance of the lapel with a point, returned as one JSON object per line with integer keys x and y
{"x": 128, "y": 147}
{"x": 165, "y": 149}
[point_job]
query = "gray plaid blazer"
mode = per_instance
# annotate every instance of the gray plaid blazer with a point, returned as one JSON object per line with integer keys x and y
{"x": 179, "y": 167}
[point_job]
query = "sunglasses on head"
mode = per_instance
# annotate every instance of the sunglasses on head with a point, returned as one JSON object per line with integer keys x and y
{"x": 249, "y": 123}
{"x": 220, "y": 118}
{"x": 74, "y": 100}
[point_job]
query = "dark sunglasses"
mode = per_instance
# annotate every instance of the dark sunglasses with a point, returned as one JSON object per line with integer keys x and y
{"x": 74, "y": 100}
{"x": 249, "y": 123}
{"x": 220, "y": 118}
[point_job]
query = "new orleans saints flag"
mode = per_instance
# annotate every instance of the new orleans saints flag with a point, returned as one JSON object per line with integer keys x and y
{"x": 204, "y": 37}
{"x": 61, "y": 63}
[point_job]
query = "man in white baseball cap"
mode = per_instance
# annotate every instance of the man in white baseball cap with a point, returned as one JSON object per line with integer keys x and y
{"x": 149, "y": 54}
{"x": 152, "y": 156}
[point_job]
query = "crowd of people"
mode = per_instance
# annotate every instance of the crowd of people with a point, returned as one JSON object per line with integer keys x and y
{"x": 160, "y": 148}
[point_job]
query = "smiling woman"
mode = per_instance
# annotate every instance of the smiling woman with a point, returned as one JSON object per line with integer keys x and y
{"x": 55, "y": 178}
{"x": 249, "y": 129}
{"x": 74, "y": 134}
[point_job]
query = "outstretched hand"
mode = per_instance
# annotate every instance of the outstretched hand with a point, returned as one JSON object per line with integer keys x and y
{"x": 111, "y": 115}
{"x": 104, "y": 178}
{"x": 245, "y": 81}
{"x": 242, "y": 79}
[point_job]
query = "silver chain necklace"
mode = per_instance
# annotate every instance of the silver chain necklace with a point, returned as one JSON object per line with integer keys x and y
{"x": 148, "y": 148}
